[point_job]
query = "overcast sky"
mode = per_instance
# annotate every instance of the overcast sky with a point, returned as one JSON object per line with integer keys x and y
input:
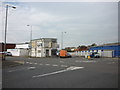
{"x": 84, "y": 22}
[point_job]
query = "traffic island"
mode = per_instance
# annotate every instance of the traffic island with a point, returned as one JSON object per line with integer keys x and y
{"x": 7, "y": 64}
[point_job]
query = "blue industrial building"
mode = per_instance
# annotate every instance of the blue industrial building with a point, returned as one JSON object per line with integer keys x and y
{"x": 115, "y": 48}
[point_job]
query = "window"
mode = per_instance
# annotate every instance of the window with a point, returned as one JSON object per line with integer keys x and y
{"x": 39, "y": 51}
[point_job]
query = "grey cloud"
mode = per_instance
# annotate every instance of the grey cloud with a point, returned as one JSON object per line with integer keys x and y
{"x": 85, "y": 23}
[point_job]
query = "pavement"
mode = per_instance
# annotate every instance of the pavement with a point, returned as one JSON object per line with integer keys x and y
{"x": 55, "y": 72}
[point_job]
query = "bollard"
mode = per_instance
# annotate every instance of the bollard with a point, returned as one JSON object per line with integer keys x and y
{"x": 88, "y": 57}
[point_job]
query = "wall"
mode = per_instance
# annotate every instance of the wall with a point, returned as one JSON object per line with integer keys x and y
{"x": 18, "y": 52}
{"x": 115, "y": 48}
{"x": 15, "y": 52}
{"x": 39, "y": 46}
{"x": 23, "y": 52}
{"x": 22, "y": 46}
{"x": 8, "y": 46}
{"x": 105, "y": 53}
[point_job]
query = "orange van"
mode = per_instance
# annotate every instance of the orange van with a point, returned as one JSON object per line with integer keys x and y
{"x": 64, "y": 53}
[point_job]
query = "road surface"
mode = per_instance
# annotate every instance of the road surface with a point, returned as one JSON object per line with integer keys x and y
{"x": 76, "y": 72}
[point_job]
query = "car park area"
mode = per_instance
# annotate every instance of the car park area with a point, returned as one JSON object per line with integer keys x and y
{"x": 75, "y": 72}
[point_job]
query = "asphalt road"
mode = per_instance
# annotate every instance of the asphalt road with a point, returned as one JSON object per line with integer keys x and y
{"x": 54, "y": 72}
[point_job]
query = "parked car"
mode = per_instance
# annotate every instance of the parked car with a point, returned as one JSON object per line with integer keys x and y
{"x": 68, "y": 55}
{"x": 95, "y": 55}
{"x": 6, "y": 53}
{"x": 57, "y": 53}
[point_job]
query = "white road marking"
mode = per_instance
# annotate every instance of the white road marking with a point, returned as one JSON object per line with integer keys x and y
{"x": 78, "y": 61}
{"x": 41, "y": 64}
{"x": 31, "y": 67}
{"x": 16, "y": 70}
{"x": 47, "y": 64}
{"x": 27, "y": 62}
{"x": 61, "y": 71}
{"x": 61, "y": 62}
{"x": 29, "y": 58}
{"x": 85, "y": 61}
{"x": 110, "y": 62}
{"x": 64, "y": 66}
{"x": 55, "y": 65}
{"x": 35, "y": 63}
{"x": 30, "y": 63}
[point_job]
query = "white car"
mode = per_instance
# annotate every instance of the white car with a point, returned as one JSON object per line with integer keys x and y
{"x": 6, "y": 53}
{"x": 95, "y": 55}
{"x": 58, "y": 53}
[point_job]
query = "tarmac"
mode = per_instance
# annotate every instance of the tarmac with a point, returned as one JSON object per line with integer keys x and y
{"x": 10, "y": 63}
{"x": 75, "y": 72}
{"x": 13, "y": 63}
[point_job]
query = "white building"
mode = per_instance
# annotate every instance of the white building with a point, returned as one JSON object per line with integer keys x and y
{"x": 20, "y": 50}
{"x": 44, "y": 47}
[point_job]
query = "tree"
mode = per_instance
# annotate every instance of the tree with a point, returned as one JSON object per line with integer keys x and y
{"x": 94, "y": 44}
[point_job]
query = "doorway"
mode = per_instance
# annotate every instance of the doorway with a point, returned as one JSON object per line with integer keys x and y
{"x": 47, "y": 52}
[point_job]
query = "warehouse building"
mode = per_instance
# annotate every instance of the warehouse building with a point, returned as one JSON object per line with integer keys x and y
{"x": 8, "y": 46}
{"x": 21, "y": 49}
{"x": 107, "y": 50}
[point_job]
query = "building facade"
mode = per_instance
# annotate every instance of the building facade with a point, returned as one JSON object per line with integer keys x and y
{"x": 21, "y": 49}
{"x": 43, "y": 47}
{"x": 106, "y": 50}
{"x": 8, "y": 46}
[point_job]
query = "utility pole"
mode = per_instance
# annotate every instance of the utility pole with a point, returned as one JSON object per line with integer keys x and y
{"x": 30, "y": 40}
{"x": 62, "y": 39}
{"x": 5, "y": 37}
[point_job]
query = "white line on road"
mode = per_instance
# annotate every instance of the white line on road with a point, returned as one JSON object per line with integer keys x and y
{"x": 78, "y": 61}
{"x": 64, "y": 66}
{"x": 61, "y": 62}
{"x": 31, "y": 67}
{"x": 67, "y": 69}
{"x": 41, "y": 64}
{"x": 27, "y": 62}
{"x": 111, "y": 63}
{"x": 16, "y": 70}
{"x": 30, "y": 63}
{"x": 85, "y": 61}
{"x": 47, "y": 64}
{"x": 29, "y": 58}
{"x": 55, "y": 65}
{"x": 35, "y": 63}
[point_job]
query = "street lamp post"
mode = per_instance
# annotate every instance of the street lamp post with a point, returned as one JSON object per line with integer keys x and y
{"x": 6, "y": 20}
{"x": 62, "y": 40}
{"x": 30, "y": 39}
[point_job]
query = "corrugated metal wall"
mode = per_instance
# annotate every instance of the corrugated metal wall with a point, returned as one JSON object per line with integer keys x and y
{"x": 114, "y": 48}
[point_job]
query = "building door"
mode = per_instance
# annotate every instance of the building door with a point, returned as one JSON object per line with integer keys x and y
{"x": 107, "y": 53}
{"x": 47, "y": 52}
{"x": 53, "y": 52}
